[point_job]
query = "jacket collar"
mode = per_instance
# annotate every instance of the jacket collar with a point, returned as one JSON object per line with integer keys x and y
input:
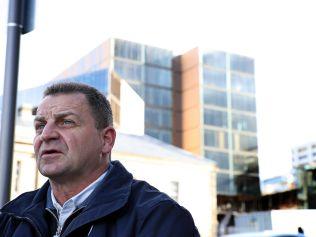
{"x": 108, "y": 198}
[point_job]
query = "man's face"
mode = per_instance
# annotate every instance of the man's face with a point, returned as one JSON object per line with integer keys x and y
{"x": 67, "y": 143}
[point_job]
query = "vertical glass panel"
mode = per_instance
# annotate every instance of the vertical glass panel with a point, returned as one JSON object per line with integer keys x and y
{"x": 217, "y": 139}
{"x": 214, "y": 97}
{"x": 166, "y": 118}
{"x": 157, "y": 56}
{"x": 127, "y": 70}
{"x": 242, "y": 64}
{"x": 221, "y": 158}
{"x": 246, "y": 164}
{"x": 244, "y": 103}
{"x": 211, "y": 138}
{"x": 244, "y": 122}
{"x": 158, "y": 96}
{"x": 215, "y": 118}
{"x": 166, "y": 136}
{"x": 158, "y": 118}
{"x": 224, "y": 184}
{"x": 163, "y": 135}
{"x": 246, "y": 184}
{"x": 126, "y": 49}
{"x": 158, "y": 76}
{"x": 152, "y": 117}
{"x": 243, "y": 83}
{"x": 152, "y": 132}
{"x": 97, "y": 79}
{"x": 215, "y": 59}
{"x": 214, "y": 78}
{"x": 247, "y": 143}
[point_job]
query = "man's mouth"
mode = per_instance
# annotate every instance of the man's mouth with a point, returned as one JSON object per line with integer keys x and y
{"x": 50, "y": 152}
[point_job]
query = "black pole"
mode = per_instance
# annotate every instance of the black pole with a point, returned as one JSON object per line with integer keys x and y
{"x": 14, "y": 30}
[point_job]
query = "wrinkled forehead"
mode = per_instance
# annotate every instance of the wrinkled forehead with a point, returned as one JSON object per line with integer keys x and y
{"x": 53, "y": 104}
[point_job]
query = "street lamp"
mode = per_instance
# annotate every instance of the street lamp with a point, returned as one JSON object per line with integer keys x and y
{"x": 20, "y": 21}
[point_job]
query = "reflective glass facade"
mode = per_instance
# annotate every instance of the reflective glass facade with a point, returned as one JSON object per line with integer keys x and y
{"x": 229, "y": 115}
{"x": 148, "y": 70}
{"x": 97, "y": 79}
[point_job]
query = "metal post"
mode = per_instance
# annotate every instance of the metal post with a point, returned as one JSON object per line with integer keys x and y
{"x": 9, "y": 97}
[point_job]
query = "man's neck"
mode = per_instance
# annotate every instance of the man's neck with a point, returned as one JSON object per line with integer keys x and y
{"x": 63, "y": 191}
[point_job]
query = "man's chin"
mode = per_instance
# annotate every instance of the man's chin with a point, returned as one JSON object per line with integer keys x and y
{"x": 50, "y": 172}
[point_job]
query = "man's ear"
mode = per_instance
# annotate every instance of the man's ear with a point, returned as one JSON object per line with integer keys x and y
{"x": 108, "y": 136}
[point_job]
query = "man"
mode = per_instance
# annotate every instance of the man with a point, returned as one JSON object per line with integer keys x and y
{"x": 87, "y": 194}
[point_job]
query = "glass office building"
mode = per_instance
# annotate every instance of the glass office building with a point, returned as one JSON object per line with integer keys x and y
{"x": 217, "y": 116}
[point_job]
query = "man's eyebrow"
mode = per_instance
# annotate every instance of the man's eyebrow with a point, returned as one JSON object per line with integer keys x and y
{"x": 64, "y": 114}
{"x": 39, "y": 118}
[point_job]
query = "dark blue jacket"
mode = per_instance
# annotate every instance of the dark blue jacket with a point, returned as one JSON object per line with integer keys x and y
{"x": 119, "y": 207}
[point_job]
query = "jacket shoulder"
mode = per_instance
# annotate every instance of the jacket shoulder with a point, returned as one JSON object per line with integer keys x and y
{"x": 146, "y": 196}
{"x": 20, "y": 203}
{"x": 157, "y": 211}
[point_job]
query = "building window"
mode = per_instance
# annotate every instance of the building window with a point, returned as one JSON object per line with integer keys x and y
{"x": 214, "y": 78}
{"x": 217, "y": 139}
{"x": 213, "y": 97}
{"x": 244, "y": 122}
{"x": 225, "y": 184}
{"x": 158, "y": 76}
{"x": 157, "y": 56}
{"x": 17, "y": 176}
{"x": 243, "y": 103}
{"x": 245, "y": 143}
{"x": 241, "y": 64}
{"x": 158, "y": 97}
{"x": 215, "y": 118}
{"x": 97, "y": 79}
{"x": 126, "y": 49}
{"x": 242, "y": 83}
{"x": 221, "y": 158}
{"x": 215, "y": 59}
{"x": 158, "y": 118}
{"x": 245, "y": 164}
{"x": 163, "y": 135}
{"x": 174, "y": 190}
{"x": 128, "y": 70}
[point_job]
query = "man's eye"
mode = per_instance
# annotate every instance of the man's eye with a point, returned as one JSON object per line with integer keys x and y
{"x": 39, "y": 127}
{"x": 67, "y": 122}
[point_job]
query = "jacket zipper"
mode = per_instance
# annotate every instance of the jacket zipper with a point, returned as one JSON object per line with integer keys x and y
{"x": 58, "y": 231}
{"x": 59, "y": 227}
{"x": 64, "y": 229}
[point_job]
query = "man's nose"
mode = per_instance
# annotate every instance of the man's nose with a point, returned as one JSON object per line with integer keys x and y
{"x": 49, "y": 132}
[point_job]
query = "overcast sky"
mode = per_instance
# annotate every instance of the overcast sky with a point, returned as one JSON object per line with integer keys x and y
{"x": 279, "y": 35}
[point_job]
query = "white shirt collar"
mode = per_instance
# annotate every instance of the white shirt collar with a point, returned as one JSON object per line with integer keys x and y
{"x": 71, "y": 204}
